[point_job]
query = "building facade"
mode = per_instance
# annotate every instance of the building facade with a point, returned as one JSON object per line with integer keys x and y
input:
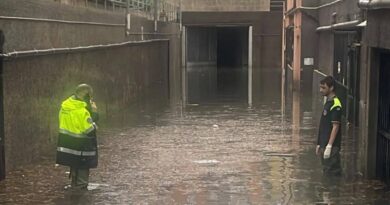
{"x": 348, "y": 40}
{"x": 375, "y": 97}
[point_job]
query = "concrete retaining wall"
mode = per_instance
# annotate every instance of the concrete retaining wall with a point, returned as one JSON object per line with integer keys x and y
{"x": 35, "y": 86}
{"x": 33, "y": 34}
{"x": 123, "y": 77}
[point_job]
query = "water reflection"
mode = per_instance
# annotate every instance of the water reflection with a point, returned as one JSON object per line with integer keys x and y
{"x": 211, "y": 84}
{"x": 217, "y": 153}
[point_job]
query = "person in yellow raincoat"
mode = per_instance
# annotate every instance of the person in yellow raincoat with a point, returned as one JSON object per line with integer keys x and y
{"x": 77, "y": 144}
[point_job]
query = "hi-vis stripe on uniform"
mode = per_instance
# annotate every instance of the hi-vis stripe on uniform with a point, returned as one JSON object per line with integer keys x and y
{"x": 336, "y": 104}
{"x": 75, "y": 152}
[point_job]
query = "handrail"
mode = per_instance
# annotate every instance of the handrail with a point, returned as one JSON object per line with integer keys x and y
{"x": 293, "y": 10}
{"x": 51, "y": 51}
{"x": 59, "y": 21}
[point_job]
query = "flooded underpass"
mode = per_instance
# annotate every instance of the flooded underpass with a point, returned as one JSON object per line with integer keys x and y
{"x": 220, "y": 153}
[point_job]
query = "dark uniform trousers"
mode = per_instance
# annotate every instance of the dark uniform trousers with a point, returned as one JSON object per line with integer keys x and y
{"x": 80, "y": 177}
{"x": 332, "y": 165}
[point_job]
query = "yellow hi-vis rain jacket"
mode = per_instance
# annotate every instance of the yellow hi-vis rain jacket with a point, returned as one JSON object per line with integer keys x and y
{"x": 77, "y": 145}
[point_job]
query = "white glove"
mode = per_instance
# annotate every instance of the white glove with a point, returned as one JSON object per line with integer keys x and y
{"x": 327, "y": 152}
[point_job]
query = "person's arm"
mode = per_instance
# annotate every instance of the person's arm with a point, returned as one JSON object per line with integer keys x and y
{"x": 336, "y": 121}
{"x": 333, "y": 134}
{"x": 94, "y": 112}
{"x": 95, "y": 116}
{"x": 318, "y": 145}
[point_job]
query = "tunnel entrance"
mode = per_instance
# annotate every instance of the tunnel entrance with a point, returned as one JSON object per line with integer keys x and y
{"x": 217, "y": 64}
{"x": 232, "y": 62}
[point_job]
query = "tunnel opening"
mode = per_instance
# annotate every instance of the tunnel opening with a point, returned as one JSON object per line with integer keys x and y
{"x": 217, "y": 64}
{"x": 232, "y": 63}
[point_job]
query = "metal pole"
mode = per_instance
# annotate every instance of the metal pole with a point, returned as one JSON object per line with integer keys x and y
{"x": 180, "y": 17}
{"x": 250, "y": 71}
{"x": 155, "y": 3}
{"x": 128, "y": 18}
{"x": 297, "y": 49}
{"x": 156, "y": 7}
{"x": 2, "y": 135}
{"x": 283, "y": 90}
{"x": 184, "y": 65}
{"x": 142, "y": 33}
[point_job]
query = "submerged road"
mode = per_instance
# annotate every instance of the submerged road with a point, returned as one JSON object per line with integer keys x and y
{"x": 209, "y": 154}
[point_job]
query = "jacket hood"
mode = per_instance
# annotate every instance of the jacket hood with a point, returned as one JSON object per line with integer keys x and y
{"x": 73, "y": 104}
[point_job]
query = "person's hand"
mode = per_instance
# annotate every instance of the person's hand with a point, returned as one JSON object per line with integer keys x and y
{"x": 327, "y": 152}
{"x": 93, "y": 106}
{"x": 95, "y": 125}
{"x": 318, "y": 152}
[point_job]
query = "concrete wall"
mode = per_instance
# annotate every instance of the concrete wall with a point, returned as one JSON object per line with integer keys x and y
{"x": 226, "y": 5}
{"x": 267, "y": 49}
{"x": 121, "y": 76}
{"x": 173, "y": 34}
{"x": 345, "y": 11}
{"x": 29, "y": 35}
{"x": 309, "y": 50}
{"x": 378, "y": 29}
{"x": 375, "y": 40}
{"x": 41, "y": 35}
{"x": 325, "y": 52}
{"x": 364, "y": 113}
{"x": 35, "y": 86}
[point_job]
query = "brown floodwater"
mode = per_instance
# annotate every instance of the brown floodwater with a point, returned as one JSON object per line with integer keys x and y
{"x": 221, "y": 153}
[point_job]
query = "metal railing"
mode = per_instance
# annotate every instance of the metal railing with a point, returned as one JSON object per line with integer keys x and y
{"x": 160, "y": 10}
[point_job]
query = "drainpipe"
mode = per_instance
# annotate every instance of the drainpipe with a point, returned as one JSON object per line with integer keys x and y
{"x": 343, "y": 25}
{"x": 297, "y": 48}
{"x": 283, "y": 60}
{"x": 128, "y": 18}
{"x": 374, "y": 4}
{"x": 156, "y": 11}
{"x": 2, "y": 138}
{"x": 181, "y": 15}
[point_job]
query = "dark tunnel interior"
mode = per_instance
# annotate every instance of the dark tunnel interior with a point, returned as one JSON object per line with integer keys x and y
{"x": 217, "y": 64}
{"x": 232, "y": 62}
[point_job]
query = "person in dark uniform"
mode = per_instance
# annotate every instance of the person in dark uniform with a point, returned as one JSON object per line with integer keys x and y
{"x": 329, "y": 135}
{"x": 77, "y": 144}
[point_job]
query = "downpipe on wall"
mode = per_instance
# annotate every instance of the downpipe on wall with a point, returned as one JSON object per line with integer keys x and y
{"x": 374, "y": 4}
{"x": 2, "y": 135}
